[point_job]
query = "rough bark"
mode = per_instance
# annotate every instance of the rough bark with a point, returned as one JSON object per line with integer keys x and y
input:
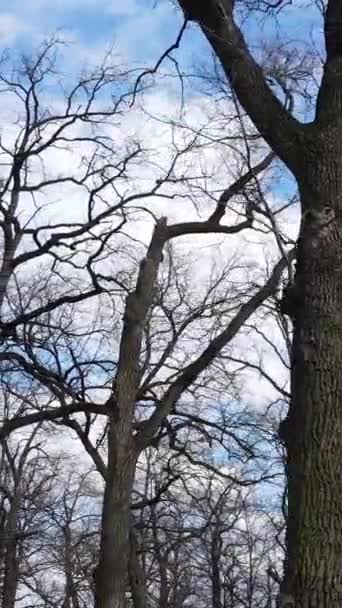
{"x": 71, "y": 596}
{"x": 313, "y": 429}
{"x": 111, "y": 573}
{"x": 329, "y": 100}
{"x": 215, "y": 555}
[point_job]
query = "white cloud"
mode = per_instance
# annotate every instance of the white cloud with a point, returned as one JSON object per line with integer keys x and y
{"x": 119, "y": 9}
{"x": 10, "y": 27}
{"x": 67, "y": 5}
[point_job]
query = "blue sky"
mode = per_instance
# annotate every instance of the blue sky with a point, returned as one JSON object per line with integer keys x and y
{"x": 141, "y": 29}
{"x": 138, "y": 28}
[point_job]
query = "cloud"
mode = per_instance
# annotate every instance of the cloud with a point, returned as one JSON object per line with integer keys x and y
{"x": 10, "y": 27}
{"x": 120, "y": 9}
{"x": 65, "y": 5}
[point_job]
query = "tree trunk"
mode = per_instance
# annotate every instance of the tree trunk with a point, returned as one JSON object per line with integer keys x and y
{"x": 312, "y": 431}
{"x": 71, "y": 596}
{"x": 136, "y": 573}
{"x": 112, "y": 571}
{"x": 215, "y": 555}
{"x": 11, "y": 566}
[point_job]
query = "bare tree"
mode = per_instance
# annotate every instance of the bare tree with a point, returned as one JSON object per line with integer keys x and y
{"x": 27, "y": 479}
{"x": 206, "y": 541}
{"x": 70, "y": 547}
{"x": 139, "y": 360}
{"x": 311, "y": 152}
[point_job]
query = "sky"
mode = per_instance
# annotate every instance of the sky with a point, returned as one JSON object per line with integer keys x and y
{"x": 140, "y": 30}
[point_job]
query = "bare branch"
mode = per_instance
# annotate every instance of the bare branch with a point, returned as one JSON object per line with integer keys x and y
{"x": 280, "y": 130}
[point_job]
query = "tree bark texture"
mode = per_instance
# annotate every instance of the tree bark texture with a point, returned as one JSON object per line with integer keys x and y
{"x": 313, "y": 429}
{"x": 215, "y": 556}
{"x": 112, "y": 571}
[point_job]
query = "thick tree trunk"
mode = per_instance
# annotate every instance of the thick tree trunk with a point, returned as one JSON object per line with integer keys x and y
{"x": 312, "y": 431}
{"x": 112, "y": 570}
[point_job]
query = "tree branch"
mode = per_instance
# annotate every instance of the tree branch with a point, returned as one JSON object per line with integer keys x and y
{"x": 329, "y": 100}
{"x": 50, "y": 415}
{"x": 239, "y": 185}
{"x": 275, "y": 124}
{"x": 192, "y": 371}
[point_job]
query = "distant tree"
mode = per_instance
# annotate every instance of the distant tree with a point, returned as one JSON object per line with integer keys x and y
{"x": 70, "y": 548}
{"x": 27, "y": 478}
{"x": 207, "y": 541}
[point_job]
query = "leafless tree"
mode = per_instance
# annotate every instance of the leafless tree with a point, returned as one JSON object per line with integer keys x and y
{"x": 206, "y": 541}
{"x": 142, "y": 366}
{"x": 310, "y": 150}
{"x": 27, "y": 479}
